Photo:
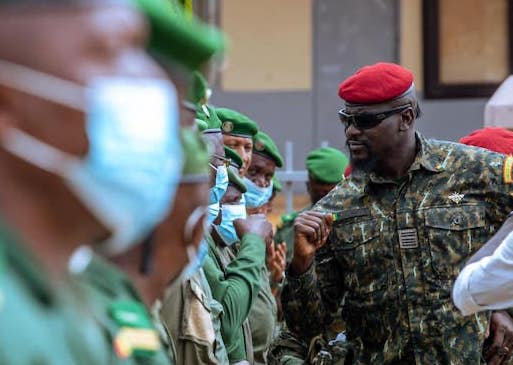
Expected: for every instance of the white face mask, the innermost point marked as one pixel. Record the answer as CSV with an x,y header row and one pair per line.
x,y
130,174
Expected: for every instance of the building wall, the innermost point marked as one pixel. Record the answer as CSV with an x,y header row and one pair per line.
x,y
346,35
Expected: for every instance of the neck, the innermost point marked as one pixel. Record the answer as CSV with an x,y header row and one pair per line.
x,y
46,216
398,162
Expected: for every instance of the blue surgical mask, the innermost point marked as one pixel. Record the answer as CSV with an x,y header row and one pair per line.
x,y
213,213
255,195
129,176
218,190
226,229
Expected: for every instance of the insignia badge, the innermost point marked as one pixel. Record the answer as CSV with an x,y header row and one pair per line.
x,y
508,170
135,341
227,127
408,238
456,198
205,110
259,146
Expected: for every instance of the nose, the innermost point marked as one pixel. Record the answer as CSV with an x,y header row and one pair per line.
x,y
352,131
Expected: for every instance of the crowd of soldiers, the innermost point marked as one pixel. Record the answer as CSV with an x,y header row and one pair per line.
x,y
135,213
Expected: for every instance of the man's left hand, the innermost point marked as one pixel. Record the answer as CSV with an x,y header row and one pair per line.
x,y
501,333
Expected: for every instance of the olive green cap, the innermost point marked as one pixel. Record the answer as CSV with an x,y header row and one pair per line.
x,y
277,184
235,180
199,89
235,159
265,146
326,165
177,38
208,114
236,124
196,157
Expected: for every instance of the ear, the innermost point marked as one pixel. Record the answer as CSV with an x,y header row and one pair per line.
x,y
407,119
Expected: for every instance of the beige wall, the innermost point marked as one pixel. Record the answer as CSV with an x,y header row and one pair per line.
x,y
270,45
410,50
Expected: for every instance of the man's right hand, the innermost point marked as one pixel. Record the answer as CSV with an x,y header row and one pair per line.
x,y
311,230
257,224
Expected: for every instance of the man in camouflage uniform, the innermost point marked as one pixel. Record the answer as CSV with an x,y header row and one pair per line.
x,y
387,243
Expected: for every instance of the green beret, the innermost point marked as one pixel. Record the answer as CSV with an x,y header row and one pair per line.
x,y
196,156
264,145
235,159
236,124
208,114
277,184
201,125
326,165
178,39
235,180
199,89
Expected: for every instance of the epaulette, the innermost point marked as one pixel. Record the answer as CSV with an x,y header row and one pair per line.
x,y
136,335
288,218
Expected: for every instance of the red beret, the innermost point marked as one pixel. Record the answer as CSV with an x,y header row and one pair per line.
x,y
494,139
348,171
376,84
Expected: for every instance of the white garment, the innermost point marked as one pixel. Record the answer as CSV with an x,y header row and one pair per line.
x,y
487,283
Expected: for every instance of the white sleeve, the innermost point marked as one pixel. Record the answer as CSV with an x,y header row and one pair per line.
x,y
487,283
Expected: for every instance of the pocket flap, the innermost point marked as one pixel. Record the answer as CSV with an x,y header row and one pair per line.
x,y
458,218
349,236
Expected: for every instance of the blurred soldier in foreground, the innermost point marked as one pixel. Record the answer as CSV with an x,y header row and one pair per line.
x,y
90,154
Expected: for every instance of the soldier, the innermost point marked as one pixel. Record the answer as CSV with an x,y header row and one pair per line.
x,y
238,131
235,278
188,308
325,166
76,167
387,243
258,180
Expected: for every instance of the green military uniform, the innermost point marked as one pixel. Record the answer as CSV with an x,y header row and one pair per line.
x,y
193,317
126,324
263,314
393,254
235,282
39,324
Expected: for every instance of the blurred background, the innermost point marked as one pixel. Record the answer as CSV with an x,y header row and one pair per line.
x,y
286,59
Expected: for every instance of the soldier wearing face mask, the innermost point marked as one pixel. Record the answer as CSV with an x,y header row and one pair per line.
x,y
188,309
233,280
69,175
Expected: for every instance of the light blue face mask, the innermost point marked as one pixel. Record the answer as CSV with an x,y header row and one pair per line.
x,y
255,195
219,189
213,213
226,229
129,176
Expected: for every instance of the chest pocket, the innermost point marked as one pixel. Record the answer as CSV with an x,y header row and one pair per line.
x,y
453,233
362,255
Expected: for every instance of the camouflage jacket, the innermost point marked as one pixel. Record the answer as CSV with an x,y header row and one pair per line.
x,y
394,251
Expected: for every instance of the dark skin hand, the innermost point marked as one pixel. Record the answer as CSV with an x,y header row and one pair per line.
x,y
311,231
256,224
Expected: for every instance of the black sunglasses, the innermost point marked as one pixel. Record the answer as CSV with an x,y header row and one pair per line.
x,y
368,120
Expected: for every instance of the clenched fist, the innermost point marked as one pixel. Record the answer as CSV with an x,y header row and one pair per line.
x,y
311,230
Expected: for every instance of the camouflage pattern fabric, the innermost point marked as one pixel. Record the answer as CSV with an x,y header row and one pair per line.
x,y
394,251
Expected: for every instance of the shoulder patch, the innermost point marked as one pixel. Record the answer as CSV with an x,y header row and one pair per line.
x,y
508,170
136,342
136,335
